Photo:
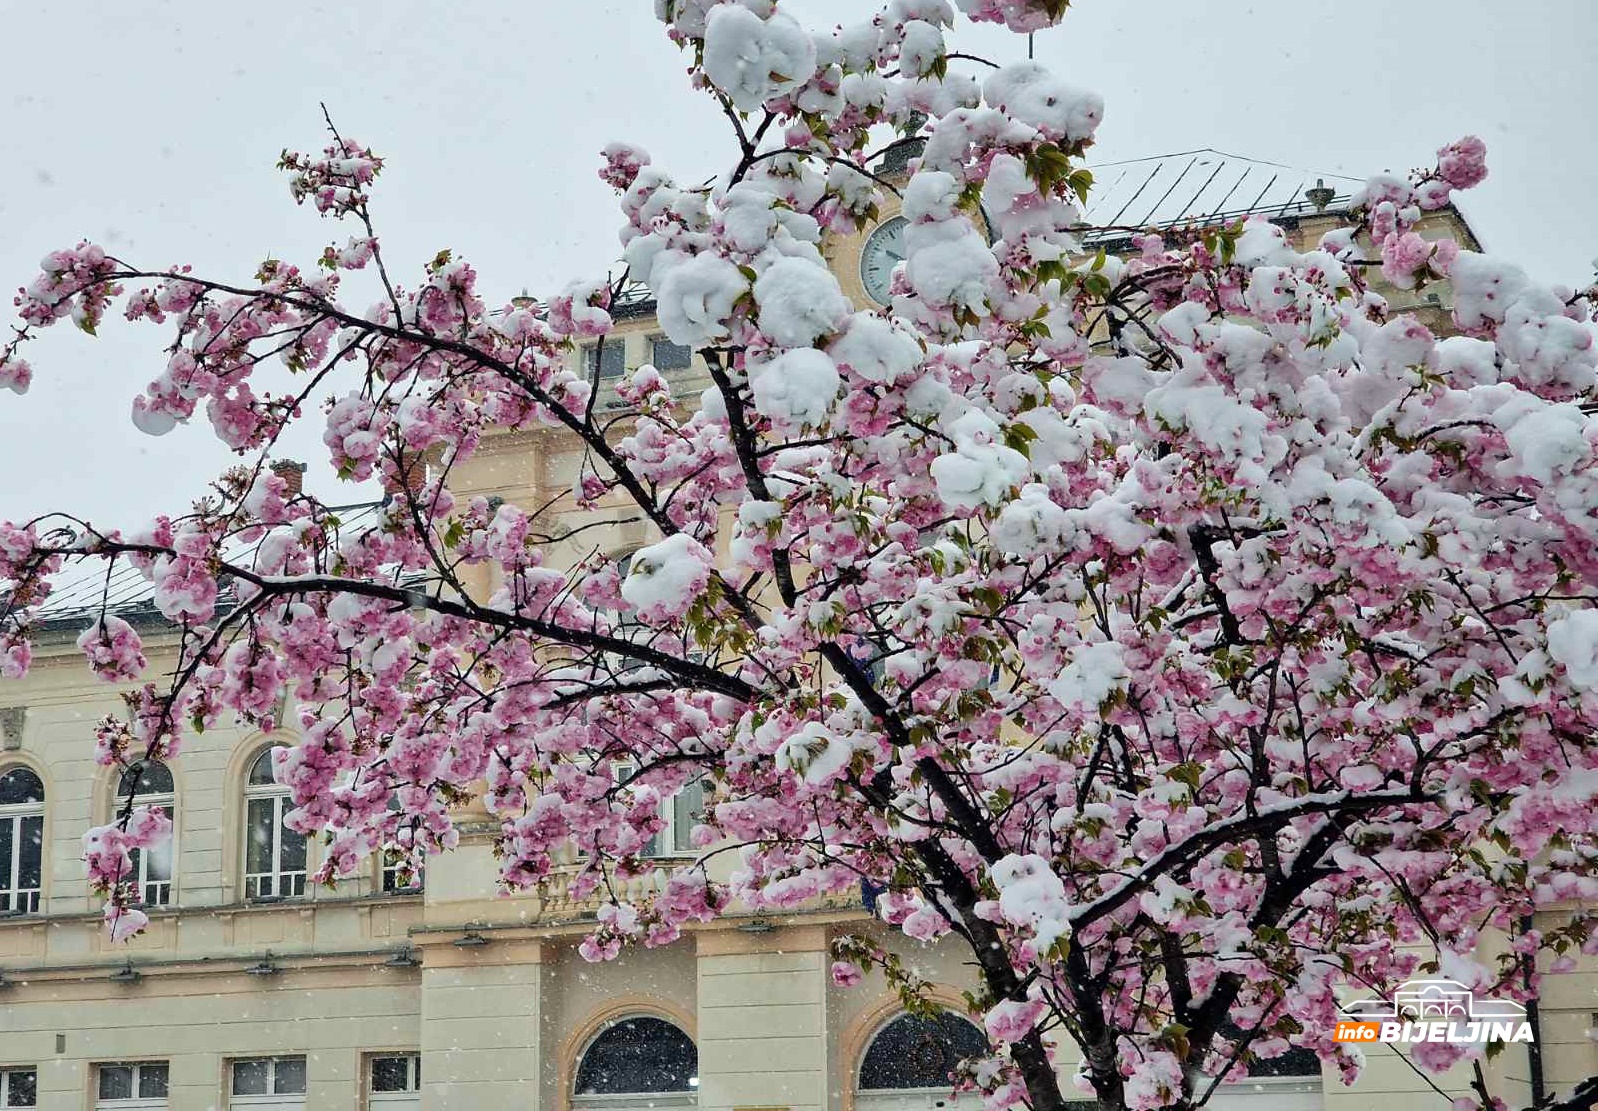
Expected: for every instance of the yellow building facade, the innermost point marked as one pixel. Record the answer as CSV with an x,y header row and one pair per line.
x,y
254,989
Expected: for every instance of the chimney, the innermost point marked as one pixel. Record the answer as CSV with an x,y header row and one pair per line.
x,y
292,474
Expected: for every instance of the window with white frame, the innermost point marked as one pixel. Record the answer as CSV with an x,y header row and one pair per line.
x,y
136,1085
21,843
666,356
150,784
394,1081
399,876
19,1087
274,855
681,812
267,1082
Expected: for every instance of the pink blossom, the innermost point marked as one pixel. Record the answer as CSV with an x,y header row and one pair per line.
x,y
1011,1020
1463,163
124,922
114,650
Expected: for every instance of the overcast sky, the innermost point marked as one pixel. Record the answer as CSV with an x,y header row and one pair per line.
x,y
153,128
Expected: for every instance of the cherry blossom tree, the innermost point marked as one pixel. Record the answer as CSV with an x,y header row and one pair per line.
x,y
1188,634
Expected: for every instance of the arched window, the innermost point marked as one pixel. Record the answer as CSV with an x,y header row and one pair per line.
x,y
911,1061
642,1056
274,855
21,840
151,785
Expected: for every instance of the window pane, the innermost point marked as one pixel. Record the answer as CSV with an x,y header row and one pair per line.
x,y
391,1074
158,863
149,779
250,1077
685,811
32,853
23,1090
913,1052
638,1055
292,846
261,770
258,832
290,1076
401,877
7,846
612,358
116,1081
152,1081
671,356
20,785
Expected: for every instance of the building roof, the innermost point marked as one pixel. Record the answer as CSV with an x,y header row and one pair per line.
x,y
1202,187
83,586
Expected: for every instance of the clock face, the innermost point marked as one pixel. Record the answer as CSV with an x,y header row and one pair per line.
x,y
883,251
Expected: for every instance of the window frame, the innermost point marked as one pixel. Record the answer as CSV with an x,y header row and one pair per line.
x,y
272,1098
578,1101
7,1073
669,833
168,801
388,872
134,1102
601,351
411,1095
893,1019
656,339
19,900
281,803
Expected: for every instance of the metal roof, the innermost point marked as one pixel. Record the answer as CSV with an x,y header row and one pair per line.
x,y
83,586
1202,187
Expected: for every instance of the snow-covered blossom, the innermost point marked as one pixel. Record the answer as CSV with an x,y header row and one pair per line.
x,y
799,302
1033,896
797,388
666,578
752,59
1028,92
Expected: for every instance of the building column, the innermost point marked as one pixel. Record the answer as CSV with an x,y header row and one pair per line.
x,y
332,1080
62,1082
763,1019
480,1018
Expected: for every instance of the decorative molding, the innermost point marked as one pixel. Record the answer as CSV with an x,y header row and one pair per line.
x,y
12,719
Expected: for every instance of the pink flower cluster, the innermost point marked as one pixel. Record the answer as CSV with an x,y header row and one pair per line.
x,y
114,650
337,182
622,165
